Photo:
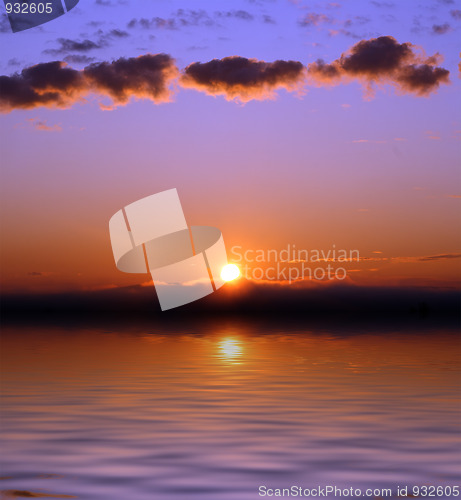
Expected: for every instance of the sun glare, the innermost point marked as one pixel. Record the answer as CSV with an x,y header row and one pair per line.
x,y
230,272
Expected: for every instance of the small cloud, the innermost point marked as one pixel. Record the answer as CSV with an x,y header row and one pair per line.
x,y
434,136
268,19
377,251
114,33
78,59
363,210
342,31
237,14
385,5
400,139
455,14
109,3
359,141
68,45
40,125
345,106
35,273
43,126
313,19
457,196
441,29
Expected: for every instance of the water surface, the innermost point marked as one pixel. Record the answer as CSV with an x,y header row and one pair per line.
x,y
188,414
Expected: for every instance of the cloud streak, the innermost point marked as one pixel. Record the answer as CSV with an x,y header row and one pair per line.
x,y
383,61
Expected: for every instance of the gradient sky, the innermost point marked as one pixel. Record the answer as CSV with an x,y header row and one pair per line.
x,y
328,165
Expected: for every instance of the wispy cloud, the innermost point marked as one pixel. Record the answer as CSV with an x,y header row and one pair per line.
x,y
67,45
183,18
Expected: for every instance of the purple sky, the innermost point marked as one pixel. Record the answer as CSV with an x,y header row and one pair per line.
x,y
328,166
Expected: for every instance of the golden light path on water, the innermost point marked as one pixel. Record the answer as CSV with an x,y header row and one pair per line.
x,y
230,349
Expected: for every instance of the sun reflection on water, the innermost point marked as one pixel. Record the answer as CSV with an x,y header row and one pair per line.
x,y
230,350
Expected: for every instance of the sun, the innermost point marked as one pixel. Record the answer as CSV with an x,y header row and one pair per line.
x,y
230,272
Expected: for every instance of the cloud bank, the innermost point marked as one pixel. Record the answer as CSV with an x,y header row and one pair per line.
x,y
377,61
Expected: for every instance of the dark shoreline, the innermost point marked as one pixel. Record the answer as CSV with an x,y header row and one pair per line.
x,y
274,307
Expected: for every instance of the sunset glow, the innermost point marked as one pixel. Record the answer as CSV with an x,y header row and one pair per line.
x,y
230,272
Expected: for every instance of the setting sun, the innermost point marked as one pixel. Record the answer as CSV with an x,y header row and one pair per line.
x,y
230,272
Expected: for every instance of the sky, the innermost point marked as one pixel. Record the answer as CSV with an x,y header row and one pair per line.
x,y
280,122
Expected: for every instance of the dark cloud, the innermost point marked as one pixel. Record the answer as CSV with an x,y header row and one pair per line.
x,y
383,60
242,79
56,85
313,19
48,84
456,13
441,29
143,77
35,273
67,45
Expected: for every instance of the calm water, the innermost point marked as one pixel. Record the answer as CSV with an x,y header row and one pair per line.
x,y
214,414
